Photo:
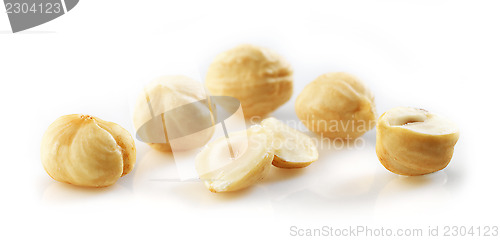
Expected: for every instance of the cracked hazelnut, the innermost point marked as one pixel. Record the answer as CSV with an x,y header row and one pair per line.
x,y
87,151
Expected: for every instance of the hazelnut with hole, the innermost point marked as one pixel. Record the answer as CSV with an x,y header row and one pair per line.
x,y
87,151
258,77
336,105
413,141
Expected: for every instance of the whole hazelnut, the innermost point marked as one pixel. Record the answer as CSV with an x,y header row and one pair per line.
x,y
336,105
173,110
257,76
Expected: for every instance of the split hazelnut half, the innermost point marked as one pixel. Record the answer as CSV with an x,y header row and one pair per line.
x,y
413,141
292,148
237,162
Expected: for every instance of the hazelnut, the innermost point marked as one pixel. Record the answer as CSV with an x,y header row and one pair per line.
x,y
237,162
336,105
412,141
173,108
292,149
258,77
87,151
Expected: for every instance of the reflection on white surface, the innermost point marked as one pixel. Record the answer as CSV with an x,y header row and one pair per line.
x,y
351,183
62,193
156,180
281,183
347,177
418,195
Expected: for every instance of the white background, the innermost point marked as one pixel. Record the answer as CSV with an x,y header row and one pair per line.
x,y
440,55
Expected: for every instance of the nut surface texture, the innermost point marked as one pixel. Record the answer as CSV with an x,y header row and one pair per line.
x,y
258,77
336,105
173,107
292,149
87,151
250,161
413,141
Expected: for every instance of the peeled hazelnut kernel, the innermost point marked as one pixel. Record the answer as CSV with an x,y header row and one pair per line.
x,y
336,105
248,160
258,77
179,107
292,149
87,151
412,141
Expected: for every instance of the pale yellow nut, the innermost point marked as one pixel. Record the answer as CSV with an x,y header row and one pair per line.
x,y
165,99
292,149
258,77
336,105
87,151
412,141
246,161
